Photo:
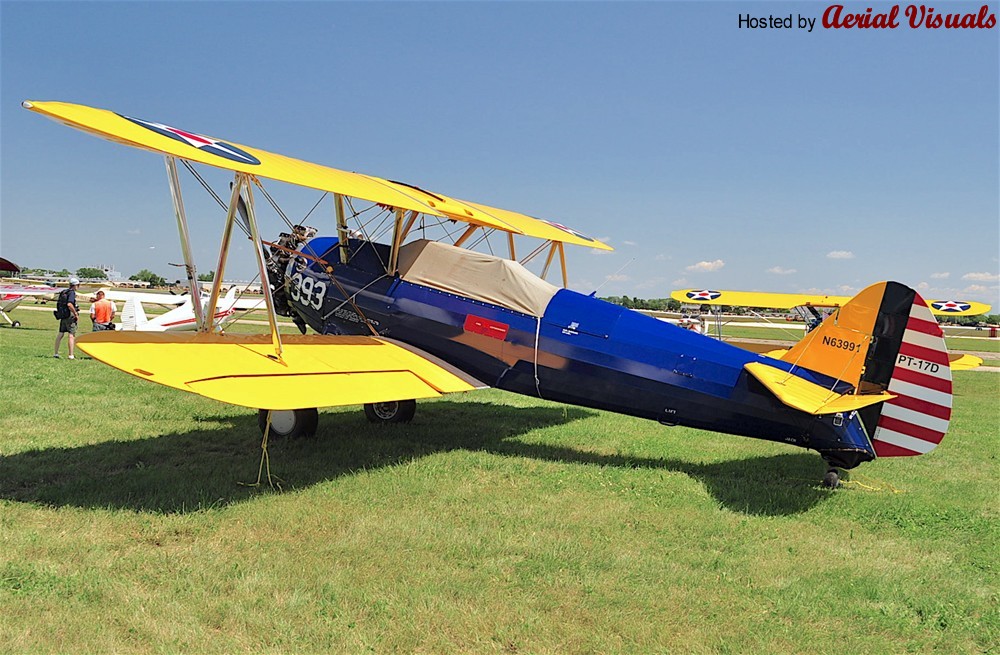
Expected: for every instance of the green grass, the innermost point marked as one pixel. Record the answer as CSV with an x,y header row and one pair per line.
x,y
493,524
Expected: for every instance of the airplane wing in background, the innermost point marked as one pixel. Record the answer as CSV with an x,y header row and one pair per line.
x,y
766,300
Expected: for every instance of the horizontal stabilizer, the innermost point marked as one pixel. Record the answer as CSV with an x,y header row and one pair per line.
x,y
313,370
809,397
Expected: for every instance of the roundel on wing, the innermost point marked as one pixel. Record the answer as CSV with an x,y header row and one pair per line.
x,y
203,143
703,295
951,306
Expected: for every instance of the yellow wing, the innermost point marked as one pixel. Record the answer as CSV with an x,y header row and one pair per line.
x,y
757,299
767,300
164,139
314,370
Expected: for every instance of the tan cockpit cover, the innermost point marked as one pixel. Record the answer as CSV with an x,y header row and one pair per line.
x,y
475,275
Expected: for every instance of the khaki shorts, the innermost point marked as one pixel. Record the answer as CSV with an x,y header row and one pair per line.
x,y
68,325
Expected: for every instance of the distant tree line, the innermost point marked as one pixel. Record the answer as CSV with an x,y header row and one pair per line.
x,y
152,278
654,304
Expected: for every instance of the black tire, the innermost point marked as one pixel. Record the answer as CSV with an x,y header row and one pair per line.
x,y
16,324
395,411
832,479
293,423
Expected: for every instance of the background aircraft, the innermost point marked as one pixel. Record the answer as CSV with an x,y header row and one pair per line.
x,y
399,320
181,316
767,300
11,295
813,309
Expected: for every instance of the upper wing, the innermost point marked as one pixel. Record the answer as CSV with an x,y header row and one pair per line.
x,y
766,300
161,138
314,370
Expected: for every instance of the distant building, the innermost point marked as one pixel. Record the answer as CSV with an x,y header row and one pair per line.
x,y
110,273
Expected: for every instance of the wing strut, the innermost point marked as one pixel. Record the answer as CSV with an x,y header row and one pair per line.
x,y
227,235
182,229
258,246
342,233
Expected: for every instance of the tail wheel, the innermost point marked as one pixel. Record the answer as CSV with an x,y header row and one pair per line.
x,y
832,479
395,411
289,422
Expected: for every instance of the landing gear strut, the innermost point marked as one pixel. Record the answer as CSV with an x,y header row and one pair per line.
x,y
289,422
396,411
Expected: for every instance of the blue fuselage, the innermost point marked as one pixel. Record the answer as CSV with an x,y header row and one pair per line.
x,y
582,351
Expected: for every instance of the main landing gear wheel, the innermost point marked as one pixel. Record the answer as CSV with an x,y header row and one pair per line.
x,y
832,479
289,422
395,411
16,324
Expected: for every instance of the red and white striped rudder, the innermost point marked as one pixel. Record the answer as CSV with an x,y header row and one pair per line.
x,y
916,420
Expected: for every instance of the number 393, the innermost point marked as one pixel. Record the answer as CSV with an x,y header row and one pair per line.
x,y
307,291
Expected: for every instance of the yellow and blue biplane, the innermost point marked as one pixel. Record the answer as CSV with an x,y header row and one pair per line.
x,y
397,316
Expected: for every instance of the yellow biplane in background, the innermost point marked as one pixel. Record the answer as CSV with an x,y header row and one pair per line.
x,y
812,309
404,307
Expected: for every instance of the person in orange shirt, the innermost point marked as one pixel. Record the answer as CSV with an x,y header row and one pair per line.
x,y
102,313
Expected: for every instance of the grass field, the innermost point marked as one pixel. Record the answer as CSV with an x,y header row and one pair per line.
x,y
493,523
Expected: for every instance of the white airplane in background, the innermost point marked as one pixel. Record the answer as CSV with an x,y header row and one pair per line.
x,y
181,317
11,295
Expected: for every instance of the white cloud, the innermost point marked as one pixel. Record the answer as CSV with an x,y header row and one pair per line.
x,y
840,254
679,282
981,277
662,257
778,270
975,288
846,288
134,231
706,267
630,243
940,276
618,277
598,251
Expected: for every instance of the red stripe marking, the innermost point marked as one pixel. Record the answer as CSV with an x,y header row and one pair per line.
x,y
886,449
926,327
909,429
921,379
218,315
926,354
922,406
190,135
486,327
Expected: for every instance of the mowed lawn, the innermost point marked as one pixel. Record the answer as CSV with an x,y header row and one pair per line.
x,y
493,523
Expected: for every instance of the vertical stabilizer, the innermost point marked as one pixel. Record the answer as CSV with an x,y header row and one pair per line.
x,y
133,316
887,340
916,420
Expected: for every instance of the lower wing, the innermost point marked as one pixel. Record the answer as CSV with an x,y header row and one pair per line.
x,y
312,371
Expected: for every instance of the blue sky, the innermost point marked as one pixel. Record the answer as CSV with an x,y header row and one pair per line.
x,y
708,155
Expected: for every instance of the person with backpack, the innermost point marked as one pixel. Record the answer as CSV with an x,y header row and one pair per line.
x,y
68,315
